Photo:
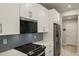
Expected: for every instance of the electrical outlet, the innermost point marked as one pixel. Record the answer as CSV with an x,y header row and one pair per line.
x,y
35,36
4,41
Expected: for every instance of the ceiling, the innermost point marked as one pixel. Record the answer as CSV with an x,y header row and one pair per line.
x,y
61,7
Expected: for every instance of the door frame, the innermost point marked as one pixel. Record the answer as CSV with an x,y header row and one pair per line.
x,y
77,33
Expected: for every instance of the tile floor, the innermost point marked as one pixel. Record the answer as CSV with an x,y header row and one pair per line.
x,y
68,50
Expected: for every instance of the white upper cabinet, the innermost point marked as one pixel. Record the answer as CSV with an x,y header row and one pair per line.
x,y
43,19
9,18
36,12
28,10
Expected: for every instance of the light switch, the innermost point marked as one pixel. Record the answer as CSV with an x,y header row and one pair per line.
x,y
4,41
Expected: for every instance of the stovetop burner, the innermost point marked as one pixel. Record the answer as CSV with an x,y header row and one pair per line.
x,y
30,48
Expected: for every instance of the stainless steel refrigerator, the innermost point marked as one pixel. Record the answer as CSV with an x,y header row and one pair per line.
x,y
57,37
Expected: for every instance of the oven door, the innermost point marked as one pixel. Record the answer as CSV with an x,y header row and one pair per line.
x,y
42,53
38,52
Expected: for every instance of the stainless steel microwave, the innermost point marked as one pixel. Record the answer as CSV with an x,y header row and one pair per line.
x,y
27,25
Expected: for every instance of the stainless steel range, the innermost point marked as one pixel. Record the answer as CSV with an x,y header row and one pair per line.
x,y
32,49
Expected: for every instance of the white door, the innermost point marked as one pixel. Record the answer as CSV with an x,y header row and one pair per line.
x,y
70,33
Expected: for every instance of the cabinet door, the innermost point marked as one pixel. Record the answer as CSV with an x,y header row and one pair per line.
x,y
9,18
34,11
28,10
24,10
43,19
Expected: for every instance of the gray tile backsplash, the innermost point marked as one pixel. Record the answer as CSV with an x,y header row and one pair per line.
x,y
17,40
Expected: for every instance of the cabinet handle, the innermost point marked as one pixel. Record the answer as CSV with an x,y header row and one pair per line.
x,y
43,28
30,14
0,28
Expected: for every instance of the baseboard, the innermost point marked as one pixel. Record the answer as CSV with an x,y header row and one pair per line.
x,y
71,45
63,44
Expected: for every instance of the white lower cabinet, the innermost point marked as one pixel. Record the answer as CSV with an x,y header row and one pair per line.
x,y
9,18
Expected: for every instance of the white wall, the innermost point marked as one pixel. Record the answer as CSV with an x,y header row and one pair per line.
x,y
71,12
70,35
54,17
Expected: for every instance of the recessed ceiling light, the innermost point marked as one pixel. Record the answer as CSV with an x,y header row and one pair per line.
x,y
69,6
69,17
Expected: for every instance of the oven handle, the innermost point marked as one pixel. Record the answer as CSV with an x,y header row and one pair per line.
x,y
41,53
